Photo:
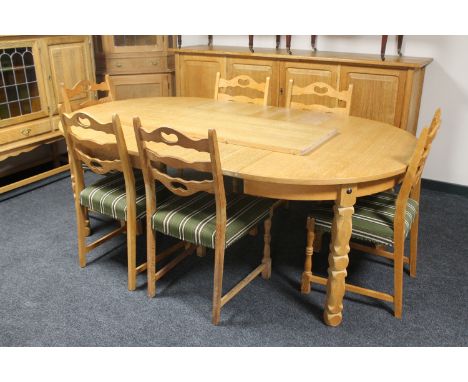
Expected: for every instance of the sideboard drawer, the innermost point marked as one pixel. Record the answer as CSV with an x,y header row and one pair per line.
x,y
136,65
24,130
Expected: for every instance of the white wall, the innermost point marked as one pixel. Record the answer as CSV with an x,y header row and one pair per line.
x,y
445,85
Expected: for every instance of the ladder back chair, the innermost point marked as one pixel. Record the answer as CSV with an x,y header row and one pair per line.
x,y
89,89
243,82
319,89
198,212
383,219
120,194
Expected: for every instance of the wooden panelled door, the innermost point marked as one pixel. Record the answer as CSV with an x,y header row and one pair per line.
x,y
304,74
258,70
378,94
69,64
197,75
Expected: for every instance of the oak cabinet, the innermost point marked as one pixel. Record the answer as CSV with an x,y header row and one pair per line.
x,y
197,75
138,66
31,71
258,70
387,91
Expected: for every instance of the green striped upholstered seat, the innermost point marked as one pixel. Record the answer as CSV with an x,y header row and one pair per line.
x,y
107,196
372,219
193,218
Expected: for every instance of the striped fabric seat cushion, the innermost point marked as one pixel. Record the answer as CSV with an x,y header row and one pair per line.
x,y
107,196
193,218
372,219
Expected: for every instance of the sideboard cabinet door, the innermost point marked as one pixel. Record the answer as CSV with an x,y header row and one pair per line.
x,y
258,70
69,63
378,94
304,74
197,75
143,85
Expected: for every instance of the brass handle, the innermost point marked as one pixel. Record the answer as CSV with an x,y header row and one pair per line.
x,y
25,132
154,62
119,65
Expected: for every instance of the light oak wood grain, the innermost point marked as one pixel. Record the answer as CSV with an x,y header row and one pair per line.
x,y
362,151
102,158
387,91
366,156
154,167
410,187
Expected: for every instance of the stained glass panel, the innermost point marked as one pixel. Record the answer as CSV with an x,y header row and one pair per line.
x,y
19,91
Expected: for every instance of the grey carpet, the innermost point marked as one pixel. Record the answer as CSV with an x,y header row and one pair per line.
x,y
47,300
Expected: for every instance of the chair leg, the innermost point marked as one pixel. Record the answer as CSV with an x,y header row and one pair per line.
x,y
151,259
81,229
235,186
414,246
318,239
87,229
218,282
201,251
131,254
398,280
305,284
266,273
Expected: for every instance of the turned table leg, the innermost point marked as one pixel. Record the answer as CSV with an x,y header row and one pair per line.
x,y
338,257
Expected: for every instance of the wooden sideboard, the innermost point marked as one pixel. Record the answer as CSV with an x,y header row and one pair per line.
x,y
387,91
139,66
31,71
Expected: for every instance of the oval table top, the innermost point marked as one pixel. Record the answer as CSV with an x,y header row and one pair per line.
x,y
361,151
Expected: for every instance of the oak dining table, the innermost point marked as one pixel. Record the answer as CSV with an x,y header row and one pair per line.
x,y
285,154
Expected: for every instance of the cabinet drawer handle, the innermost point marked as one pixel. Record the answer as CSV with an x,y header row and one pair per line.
x,y
155,62
25,132
119,65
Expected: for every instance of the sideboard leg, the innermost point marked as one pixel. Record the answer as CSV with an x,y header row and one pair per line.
x,y
338,257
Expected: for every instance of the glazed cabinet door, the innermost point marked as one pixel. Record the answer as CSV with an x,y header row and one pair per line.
x,y
304,74
132,44
196,76
138,86
378,94
70,62
23,95
259,70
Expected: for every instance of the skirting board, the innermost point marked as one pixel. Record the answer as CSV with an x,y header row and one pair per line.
x,y
450,188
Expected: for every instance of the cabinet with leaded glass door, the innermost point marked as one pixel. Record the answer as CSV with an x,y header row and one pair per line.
x,y
31,71
22,91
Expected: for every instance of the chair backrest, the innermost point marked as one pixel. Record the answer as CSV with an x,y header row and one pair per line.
x,y
154,166
102,147
243,82
412,179
87,88
320,89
